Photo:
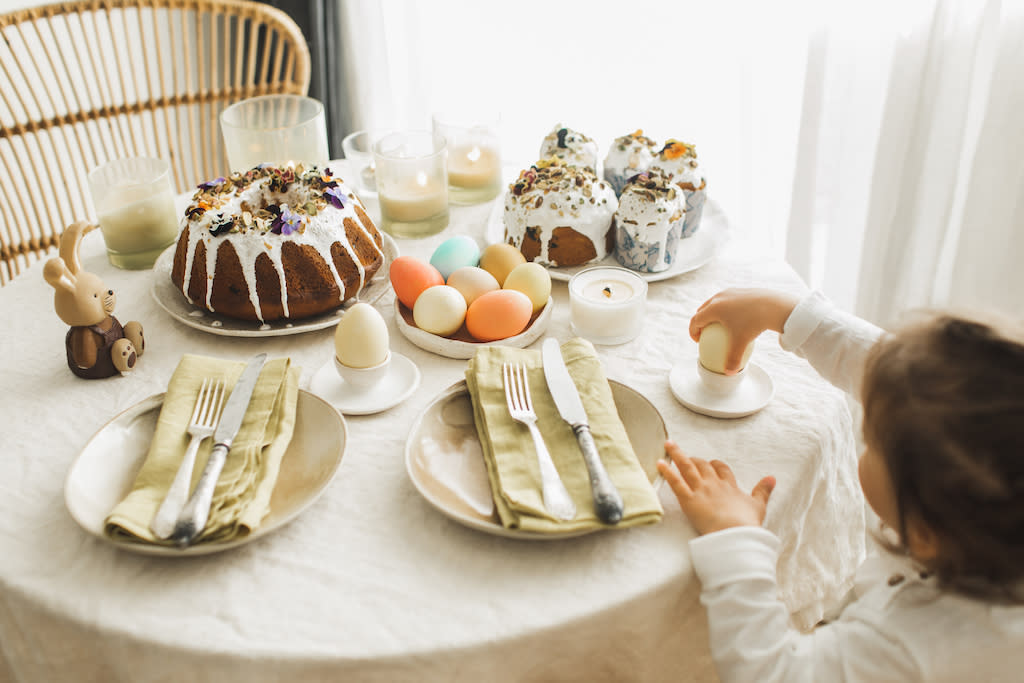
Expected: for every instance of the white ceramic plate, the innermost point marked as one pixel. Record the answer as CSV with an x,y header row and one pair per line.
x,y
402,378
693,253
751,394
461,345
444,460
174,302
103,473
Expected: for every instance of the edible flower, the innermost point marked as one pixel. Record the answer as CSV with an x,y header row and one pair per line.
x,y
675,149
335,196
210,184
286,222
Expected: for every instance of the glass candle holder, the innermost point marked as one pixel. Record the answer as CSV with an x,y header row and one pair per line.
x,y
275,129
607,304
412,183
474,157
358,150
134,201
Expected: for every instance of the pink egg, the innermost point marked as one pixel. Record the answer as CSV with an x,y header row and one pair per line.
x,y
410,276
498,315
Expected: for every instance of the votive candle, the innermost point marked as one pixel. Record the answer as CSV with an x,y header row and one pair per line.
x,y
607,304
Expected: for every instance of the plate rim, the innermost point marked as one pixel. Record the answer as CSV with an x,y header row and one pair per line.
x,y
392,402
492,527
706,234
155,401
173,303
680,368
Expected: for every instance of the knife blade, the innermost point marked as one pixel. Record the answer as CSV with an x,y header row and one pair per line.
x,y
607,501
196,512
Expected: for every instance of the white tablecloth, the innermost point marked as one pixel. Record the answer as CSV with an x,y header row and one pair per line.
x,y
371,583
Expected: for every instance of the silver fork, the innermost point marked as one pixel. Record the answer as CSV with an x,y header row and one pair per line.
x,y
204,420
520,407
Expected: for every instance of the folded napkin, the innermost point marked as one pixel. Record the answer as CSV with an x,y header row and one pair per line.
x,y
509,452
242,496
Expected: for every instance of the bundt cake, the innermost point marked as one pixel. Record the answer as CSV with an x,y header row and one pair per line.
x,y
559,215
275,243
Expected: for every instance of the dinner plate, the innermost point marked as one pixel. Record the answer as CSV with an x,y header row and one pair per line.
x,y
694,251
446,465
461,344
170,298
103,473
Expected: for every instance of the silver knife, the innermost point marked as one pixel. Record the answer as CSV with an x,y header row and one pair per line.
x,y
193,516
607,501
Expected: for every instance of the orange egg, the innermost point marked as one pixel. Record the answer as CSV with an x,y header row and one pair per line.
x,y
410,276
499,314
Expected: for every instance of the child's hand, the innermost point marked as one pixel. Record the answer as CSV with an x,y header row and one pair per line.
x,y
708,494
746,313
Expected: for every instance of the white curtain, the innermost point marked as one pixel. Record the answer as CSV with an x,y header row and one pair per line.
x,y
874,144
909,188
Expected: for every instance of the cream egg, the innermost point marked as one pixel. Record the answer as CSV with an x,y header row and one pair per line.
x,y
714,348
533,280
361,337
440,310
471,282
499,260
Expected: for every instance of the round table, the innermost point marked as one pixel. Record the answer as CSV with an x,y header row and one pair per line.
x,y
371,583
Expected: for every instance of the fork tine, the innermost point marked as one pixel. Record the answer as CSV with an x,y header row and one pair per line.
x,y
527,403
216,403
197,411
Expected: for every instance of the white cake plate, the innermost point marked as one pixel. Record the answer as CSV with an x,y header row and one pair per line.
x,y
402,378
752,393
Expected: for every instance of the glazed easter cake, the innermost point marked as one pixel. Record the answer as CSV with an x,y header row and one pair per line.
x,y
678,161
649,223
571,147
560,215
628,155
275,243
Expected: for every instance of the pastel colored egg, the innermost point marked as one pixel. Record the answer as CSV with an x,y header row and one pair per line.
x,y
440,310
472,281
713,349
498,315
499,260
361,337
533,280
410,277
454,253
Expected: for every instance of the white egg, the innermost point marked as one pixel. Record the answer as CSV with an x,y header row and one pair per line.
x,y
471,282
361,337
440,310
714,347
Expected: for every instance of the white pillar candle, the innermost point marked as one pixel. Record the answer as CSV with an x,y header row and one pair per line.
x,y
473,166
606,304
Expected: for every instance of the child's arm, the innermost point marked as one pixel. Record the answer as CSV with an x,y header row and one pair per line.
x,y
836,343
750,635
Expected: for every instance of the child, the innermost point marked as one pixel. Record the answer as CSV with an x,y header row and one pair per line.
x,y
943,467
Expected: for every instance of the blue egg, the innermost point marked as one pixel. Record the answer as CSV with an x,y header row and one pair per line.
x,y
454,253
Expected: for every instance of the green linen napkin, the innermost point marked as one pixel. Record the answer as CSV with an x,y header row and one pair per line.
x,y
509,452
242,496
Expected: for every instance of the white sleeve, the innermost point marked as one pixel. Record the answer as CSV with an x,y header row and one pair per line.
x,y
835,343
751,637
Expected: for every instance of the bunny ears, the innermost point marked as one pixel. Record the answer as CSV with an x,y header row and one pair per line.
x,y
62,271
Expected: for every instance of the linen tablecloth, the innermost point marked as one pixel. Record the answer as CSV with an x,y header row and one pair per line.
x,y
371,583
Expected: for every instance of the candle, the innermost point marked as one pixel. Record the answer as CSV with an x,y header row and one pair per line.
x,y
275,129
473,166
419,200
606,304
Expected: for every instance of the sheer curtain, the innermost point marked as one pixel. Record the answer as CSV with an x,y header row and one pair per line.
x,y
872,144
909,189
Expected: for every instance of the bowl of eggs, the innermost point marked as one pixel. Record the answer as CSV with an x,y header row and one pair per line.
x,y
464,298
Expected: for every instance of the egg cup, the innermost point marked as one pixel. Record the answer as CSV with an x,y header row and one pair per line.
x,y
718,383
363,377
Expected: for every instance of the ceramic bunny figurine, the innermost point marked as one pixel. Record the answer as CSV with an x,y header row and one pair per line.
x,y
97,345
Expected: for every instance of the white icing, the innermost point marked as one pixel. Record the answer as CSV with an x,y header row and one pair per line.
x,y
568,205
321,232
579,150
628,152
646,220
684,169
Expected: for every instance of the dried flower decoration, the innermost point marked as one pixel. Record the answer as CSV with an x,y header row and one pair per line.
x,y
287,222
335,196
674,149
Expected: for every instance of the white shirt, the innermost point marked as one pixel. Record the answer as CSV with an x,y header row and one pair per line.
x,y
899,626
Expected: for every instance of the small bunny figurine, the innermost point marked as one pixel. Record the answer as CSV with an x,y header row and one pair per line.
x,y
97,345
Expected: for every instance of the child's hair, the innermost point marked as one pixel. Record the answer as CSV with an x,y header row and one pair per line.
x,y
944,407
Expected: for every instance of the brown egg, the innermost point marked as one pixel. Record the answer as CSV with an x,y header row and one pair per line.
x,y
500,259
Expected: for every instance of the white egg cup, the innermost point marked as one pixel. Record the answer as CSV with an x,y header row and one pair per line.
x,y
363,377
718,383
717,395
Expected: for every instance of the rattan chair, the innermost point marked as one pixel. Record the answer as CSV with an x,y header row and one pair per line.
x,y
85,82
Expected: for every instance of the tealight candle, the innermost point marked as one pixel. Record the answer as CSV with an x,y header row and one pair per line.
x,y
474,159
412,183
473,166
606,304
275,129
